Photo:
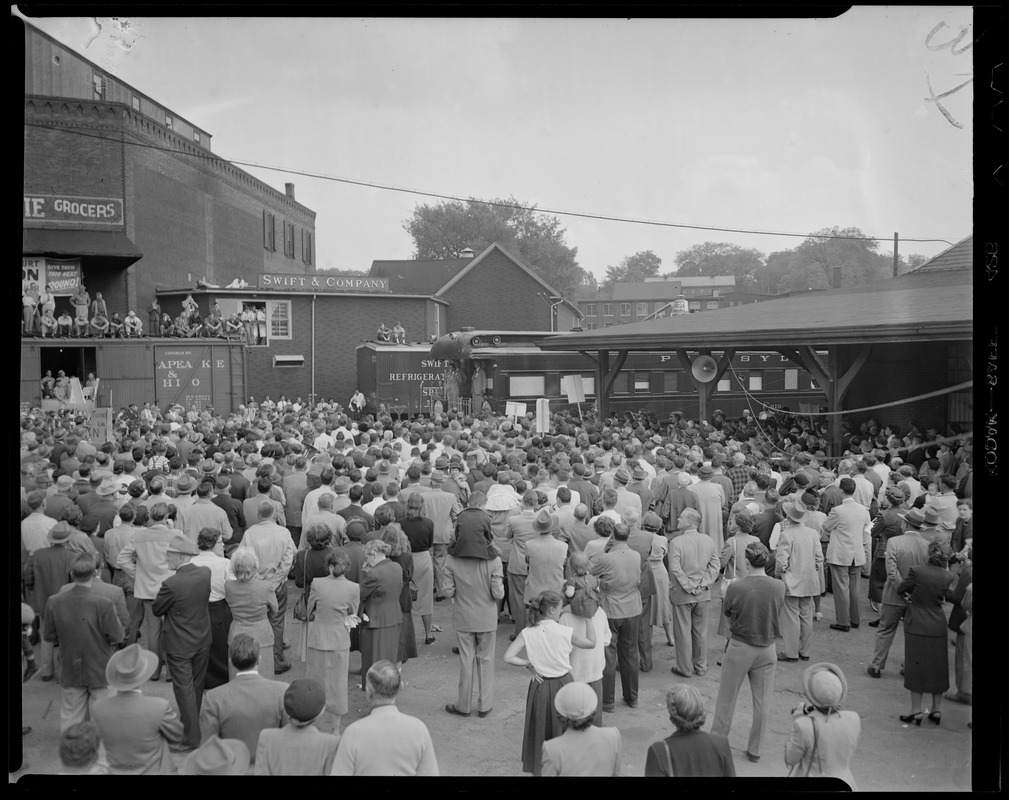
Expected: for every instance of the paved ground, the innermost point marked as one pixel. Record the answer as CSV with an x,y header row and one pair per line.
x,y
891,755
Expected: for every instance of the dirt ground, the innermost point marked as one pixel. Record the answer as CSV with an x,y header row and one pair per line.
x,y
891,755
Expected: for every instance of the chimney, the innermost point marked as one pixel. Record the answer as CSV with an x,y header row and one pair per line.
x,y
467,253
289,190
837,277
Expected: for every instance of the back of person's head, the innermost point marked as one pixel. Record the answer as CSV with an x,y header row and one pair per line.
x,y
847,486
686,707
266,510
539,608
610,498
243,652
530,499
621,532
476,500
356,529
579,563
564,495
604,526
244,563
689,519
383,680
326,501
581,512
83,568
338,562
79,745
207,538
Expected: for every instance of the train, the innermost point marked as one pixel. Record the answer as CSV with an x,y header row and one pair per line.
x,y
474,369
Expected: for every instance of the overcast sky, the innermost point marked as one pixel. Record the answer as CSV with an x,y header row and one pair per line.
x,y
781,125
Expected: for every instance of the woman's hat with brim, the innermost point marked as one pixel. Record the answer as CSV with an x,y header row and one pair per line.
x,y
824,685
218,757
130,667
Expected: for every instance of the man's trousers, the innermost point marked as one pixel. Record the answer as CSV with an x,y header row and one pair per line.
x,y
622,652
78,703
889,619
690,633
517,599
476,656
846,582
277,623
439,559
645,634
796,622
151,628
745,661
189,674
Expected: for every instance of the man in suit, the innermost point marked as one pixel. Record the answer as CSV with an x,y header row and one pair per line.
x,y
113,593
849,526
295,486
474,577
441,508
586,491
641,543
619,572
579,533
84,625
275,549
47,570
672,502
693,567
247,704
233,508
136,731
798,560
387,742
545,557
145,560
520,529
184,601
902,552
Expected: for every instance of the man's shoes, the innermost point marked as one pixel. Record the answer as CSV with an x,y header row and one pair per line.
x,y
836,627
644,669
455,650
438,599
30,669
631,703
700,671
429,640
782,657
607,709
680,672
483,714
874,623
181,747
959,697
280,669
874,672
803,658
451,709
854,624
752,758
47,678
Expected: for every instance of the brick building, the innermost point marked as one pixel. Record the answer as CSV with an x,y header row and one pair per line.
x,y
123,194
633,301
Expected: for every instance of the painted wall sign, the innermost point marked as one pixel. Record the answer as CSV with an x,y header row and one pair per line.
x,y
186,375
57,209
323,283
63,275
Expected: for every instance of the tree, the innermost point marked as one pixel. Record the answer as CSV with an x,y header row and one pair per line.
x,y
444,230
343,272
632,269
826,249
719,258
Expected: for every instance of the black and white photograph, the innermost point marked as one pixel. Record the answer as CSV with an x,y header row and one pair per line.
x,y
493,397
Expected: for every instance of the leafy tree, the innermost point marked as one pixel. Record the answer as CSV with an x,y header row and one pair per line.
x,y
344,273
632,269
719,258
826,249
445,229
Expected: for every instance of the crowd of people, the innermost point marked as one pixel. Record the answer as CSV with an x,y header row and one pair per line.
x,y
183,542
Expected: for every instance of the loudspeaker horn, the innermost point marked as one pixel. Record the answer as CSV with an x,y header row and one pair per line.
x,y
704,368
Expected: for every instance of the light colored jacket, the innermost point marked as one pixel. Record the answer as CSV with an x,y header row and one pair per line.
x,y
334,599
849,526
836,740
798,560
694,563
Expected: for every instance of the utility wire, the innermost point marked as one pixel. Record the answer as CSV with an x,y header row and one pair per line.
x,y
495,203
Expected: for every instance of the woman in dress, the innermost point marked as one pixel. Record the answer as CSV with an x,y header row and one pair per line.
x,y
733,558
381,585
689,752
334,600
249,599
548,646
823,738
662,609
420,531
399,552
926,651
310,564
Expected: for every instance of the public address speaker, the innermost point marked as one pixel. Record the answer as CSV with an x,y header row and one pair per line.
x,y
703,369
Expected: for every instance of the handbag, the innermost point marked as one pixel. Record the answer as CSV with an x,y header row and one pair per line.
x,y
414,591
301,604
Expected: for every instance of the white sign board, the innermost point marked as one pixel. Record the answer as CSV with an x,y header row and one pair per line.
x,y
513,409
573,387
542,415
100,425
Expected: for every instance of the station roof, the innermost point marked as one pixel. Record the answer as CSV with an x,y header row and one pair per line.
x,y
917,306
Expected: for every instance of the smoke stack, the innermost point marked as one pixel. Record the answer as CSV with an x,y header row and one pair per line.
x,y
837,277
289,190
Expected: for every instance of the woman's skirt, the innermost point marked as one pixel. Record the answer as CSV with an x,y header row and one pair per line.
x,y
423,576
262,633
662,609
877,578
407,639
378,644
329,667
542,721
926,663
218,662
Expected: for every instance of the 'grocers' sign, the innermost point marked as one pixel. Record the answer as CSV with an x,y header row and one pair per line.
x,y
45,209
323,283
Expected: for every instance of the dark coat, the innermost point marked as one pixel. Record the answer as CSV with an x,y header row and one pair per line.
x,y
355,552
955,595
84,626
927,587
380,590
47,571
183,601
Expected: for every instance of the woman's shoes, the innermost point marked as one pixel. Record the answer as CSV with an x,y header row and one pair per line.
x,y
935,716
429,640
915,718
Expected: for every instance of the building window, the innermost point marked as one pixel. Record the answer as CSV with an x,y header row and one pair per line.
x,y
695,305
756,383
269,231
724,385
136,103
168,122
590,326
607,309
288,239
99,85
670,381
196,136
254,325
589,384
791,379
306,246
641,383
279,318
625,309
642,309
527,385
590,309
712,305
622,383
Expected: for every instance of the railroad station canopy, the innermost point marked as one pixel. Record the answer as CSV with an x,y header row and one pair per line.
x,y
915,307
115,247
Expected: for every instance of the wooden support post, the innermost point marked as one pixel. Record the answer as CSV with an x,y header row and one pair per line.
x,y
602,400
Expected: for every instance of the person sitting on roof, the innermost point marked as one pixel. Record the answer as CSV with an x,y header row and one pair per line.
x,y
384,334
133,324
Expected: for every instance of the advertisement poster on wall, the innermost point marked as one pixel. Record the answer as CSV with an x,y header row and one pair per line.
x,y
185,375
62,275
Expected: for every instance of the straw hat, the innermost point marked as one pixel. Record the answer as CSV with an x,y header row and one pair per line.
x,y
824,685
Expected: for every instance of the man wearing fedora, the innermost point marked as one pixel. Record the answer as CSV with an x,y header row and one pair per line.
x,y
694,566
84,625
299,748
902,553
545,556
59,504
520,528
184,489
136,731
184,602
441,508
625,497
248,704
849,526
798,561
218,757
